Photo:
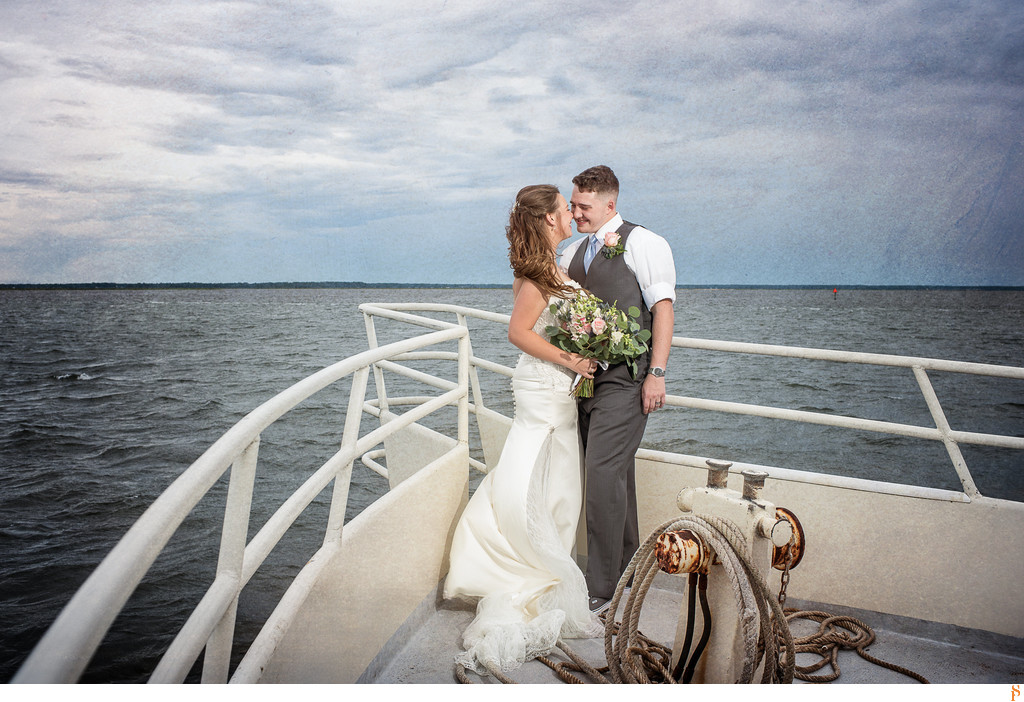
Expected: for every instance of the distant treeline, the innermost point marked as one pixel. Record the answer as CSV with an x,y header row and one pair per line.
x,y
205,286
477,286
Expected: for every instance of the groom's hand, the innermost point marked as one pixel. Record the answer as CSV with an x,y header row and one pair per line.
x,y
653,393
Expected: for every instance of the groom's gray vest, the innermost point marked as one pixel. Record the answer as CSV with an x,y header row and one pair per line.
x,y
612,281
611,426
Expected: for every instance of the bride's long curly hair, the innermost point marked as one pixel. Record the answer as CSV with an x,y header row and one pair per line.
x,y
530,254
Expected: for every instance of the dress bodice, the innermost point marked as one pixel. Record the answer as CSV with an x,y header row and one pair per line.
x,y
559,376
546,318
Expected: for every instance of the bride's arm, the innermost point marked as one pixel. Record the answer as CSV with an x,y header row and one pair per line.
x,y
526,310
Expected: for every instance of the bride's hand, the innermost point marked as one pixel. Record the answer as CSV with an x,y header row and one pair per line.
x,y
584,366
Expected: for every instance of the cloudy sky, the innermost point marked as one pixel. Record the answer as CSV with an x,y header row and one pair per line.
x,y
831,142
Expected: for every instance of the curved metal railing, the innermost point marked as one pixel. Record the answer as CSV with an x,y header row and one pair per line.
x,y
65,650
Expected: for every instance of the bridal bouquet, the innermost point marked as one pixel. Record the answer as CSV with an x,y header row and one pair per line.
x,y
587,325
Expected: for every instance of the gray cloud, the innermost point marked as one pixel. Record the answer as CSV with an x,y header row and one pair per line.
x,y
772,143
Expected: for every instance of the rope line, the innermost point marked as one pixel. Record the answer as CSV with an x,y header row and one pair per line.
x,y
835,633
764,626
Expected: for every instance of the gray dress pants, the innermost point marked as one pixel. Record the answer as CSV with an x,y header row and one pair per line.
x,y
612,426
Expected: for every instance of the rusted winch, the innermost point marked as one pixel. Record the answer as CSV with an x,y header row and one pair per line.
x,y
683,552
756,535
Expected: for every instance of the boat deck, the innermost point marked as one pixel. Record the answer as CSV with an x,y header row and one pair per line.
x,y
424,653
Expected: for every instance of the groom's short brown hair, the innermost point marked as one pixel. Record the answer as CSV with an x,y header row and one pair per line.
x,y
597,179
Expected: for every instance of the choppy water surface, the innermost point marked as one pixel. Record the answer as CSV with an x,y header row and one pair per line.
x,y
107,396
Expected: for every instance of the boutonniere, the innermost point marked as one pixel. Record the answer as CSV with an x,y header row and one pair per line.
x,y
612,245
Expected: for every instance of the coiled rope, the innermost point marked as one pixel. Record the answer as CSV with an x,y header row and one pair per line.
x,y
634,658
763,625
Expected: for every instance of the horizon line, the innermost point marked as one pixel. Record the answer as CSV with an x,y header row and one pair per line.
x,y
361,285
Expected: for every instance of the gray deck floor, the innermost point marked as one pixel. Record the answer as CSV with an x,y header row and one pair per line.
x,y
941,654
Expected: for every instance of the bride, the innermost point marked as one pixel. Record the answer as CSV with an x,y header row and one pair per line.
x,y
512,547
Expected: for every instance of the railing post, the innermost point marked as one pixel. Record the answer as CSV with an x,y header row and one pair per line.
x,y
378,374
464,352
217,660
474,377
350,436
939,417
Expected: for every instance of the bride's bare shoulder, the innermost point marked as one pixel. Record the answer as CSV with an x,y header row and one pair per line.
x,y
519,284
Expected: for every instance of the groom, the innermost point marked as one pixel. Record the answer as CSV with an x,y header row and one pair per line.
x,y
612,422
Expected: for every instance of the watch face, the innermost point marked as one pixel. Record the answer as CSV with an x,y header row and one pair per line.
x,y
657,372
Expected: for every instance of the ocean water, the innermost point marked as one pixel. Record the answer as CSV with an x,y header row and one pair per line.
x,y
107,395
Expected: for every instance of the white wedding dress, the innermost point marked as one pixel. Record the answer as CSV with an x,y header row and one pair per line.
x,y
513,546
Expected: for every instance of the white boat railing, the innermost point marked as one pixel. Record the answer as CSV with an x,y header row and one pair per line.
x,y
941,431
64,652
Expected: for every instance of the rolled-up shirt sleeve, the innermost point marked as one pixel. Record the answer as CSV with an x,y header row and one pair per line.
x,y
652,263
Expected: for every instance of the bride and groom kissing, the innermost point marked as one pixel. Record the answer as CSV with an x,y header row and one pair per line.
x,y
512,551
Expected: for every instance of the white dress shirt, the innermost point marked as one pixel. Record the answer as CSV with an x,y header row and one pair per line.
x,y
648,256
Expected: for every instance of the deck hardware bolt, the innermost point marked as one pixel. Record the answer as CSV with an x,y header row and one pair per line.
x,y
753,483
779,531
684,500
718,473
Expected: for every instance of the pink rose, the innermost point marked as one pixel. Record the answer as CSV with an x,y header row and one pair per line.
x,y
586,328
611,239
599,325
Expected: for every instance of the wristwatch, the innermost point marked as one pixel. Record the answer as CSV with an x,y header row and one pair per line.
x,y
656,372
